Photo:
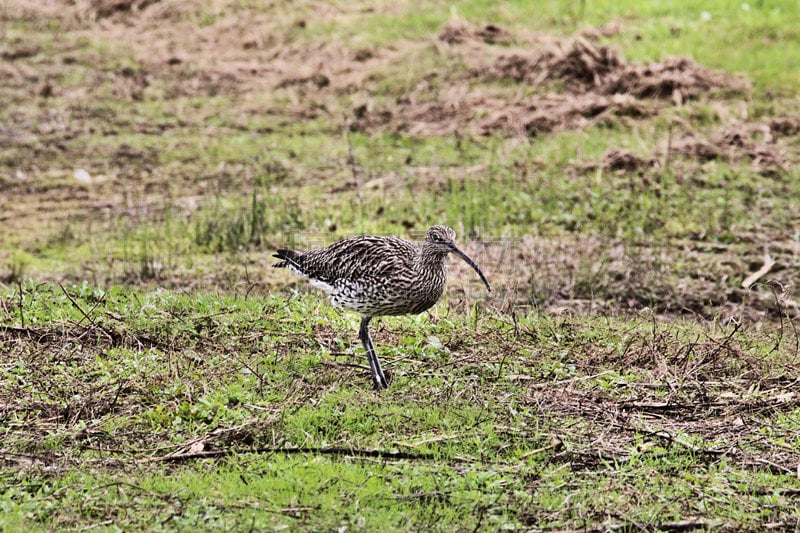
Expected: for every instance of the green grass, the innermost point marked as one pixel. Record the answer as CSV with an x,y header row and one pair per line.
x,y
238,373
256,492
295,438
157,373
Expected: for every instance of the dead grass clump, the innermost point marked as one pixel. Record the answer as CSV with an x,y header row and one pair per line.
x,y
61,398
480,112
622,160
458,31
107,8
785,125
664,354
586,63
12,53
582,66
710,419
695,148
609,29
735,143
578,111
587,66
677,78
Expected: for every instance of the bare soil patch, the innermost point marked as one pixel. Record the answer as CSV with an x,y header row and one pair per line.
x,y
201,48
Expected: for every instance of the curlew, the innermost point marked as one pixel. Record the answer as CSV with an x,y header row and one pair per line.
x,y
380,276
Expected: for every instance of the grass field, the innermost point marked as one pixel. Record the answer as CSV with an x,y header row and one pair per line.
x,y
634,368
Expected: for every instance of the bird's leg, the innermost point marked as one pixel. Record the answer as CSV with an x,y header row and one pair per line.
x,y
374,364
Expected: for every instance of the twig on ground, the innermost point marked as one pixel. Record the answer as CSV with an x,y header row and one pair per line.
x,y
769,262
351,452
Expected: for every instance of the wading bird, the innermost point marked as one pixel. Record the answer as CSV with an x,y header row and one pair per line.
x,y
380,276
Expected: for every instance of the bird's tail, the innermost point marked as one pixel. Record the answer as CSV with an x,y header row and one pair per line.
x,y
290,258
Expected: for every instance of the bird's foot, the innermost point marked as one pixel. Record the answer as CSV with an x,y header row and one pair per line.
x,y
382,381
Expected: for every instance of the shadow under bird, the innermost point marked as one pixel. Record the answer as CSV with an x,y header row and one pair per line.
x,y
380,276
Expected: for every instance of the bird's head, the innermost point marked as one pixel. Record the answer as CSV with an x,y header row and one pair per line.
x,y
441,240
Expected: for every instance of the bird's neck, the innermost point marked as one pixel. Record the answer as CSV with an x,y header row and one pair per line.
x,y
429,259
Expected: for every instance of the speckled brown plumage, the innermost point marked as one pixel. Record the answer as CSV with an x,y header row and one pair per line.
x,y
379,276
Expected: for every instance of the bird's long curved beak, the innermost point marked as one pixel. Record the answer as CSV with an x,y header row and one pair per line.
x,y
471,263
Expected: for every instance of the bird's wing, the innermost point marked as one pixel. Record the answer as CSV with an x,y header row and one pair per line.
x,y
357,258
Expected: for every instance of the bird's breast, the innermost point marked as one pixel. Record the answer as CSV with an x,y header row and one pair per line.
x,y
389,295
